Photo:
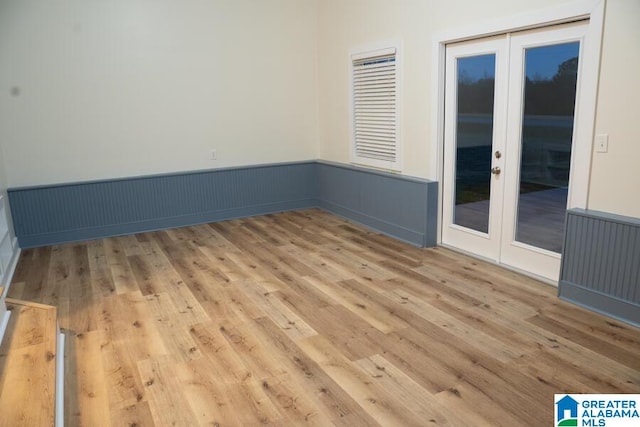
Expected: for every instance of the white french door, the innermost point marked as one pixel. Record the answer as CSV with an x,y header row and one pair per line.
x,y
509,145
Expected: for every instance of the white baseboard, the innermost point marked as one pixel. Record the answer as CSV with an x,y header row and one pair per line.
x,y
4,320
6,280
8,274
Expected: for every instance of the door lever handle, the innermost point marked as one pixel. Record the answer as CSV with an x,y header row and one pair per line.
x,y
496,170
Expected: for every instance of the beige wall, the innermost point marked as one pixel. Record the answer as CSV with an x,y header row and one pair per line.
x,y
615,177
345,25
8,249
131,87
3,193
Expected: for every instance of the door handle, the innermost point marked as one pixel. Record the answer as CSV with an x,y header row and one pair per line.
x,y
496,170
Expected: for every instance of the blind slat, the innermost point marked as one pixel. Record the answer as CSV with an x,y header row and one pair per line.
x,y
374,97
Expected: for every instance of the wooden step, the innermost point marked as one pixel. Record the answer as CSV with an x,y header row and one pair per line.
x,y
28,365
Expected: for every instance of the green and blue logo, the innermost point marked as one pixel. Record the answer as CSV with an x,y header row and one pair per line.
x,y
597,410
566,412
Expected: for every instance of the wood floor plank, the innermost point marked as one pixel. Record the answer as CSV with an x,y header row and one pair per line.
x,y
564,348
101,276
20,373
168,405
436,287
486,410
293,402
303,297
321,267
36,273
283,267
121,375
123,277
212,296
287,320
156,275
374,399
611,351
377,252
606,329
415,398
570,377
368,310
483,372
251,405
174,245
128,318
304,318
308,227
27,365
357,338
138,415
480,339
333,400
206,394
91,385
355,264
172,328
223,360
243,267
295,234
245,341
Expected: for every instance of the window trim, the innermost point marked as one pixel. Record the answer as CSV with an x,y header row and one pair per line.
x,y
372,51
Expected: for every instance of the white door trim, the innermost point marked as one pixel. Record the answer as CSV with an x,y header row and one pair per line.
x,y
582,9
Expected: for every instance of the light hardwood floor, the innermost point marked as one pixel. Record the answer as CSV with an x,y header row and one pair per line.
x,y
28,366
303,318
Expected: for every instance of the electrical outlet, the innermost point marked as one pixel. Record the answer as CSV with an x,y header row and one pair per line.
x,y
602,143
214,155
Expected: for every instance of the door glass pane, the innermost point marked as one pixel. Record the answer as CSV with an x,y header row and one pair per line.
x,y
547,131
474,136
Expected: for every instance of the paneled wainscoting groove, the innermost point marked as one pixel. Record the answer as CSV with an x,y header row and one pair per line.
x,y
397,205
303,318
601,263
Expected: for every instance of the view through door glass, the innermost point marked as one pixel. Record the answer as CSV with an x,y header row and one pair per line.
x,y
474,137
547,133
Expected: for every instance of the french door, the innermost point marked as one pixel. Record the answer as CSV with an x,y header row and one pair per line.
x,y
510,109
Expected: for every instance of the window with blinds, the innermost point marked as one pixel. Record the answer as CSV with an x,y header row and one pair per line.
x,y
375,113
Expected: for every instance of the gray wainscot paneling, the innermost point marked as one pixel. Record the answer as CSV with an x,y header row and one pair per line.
x,y
81,211
601,263
400,206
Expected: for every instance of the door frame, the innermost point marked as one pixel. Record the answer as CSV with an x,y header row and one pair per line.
x,y
584,126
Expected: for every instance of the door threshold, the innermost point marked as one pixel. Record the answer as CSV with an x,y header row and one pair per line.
x,y
544,280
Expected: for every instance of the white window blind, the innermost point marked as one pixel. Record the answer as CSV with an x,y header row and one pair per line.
x,y
375,93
